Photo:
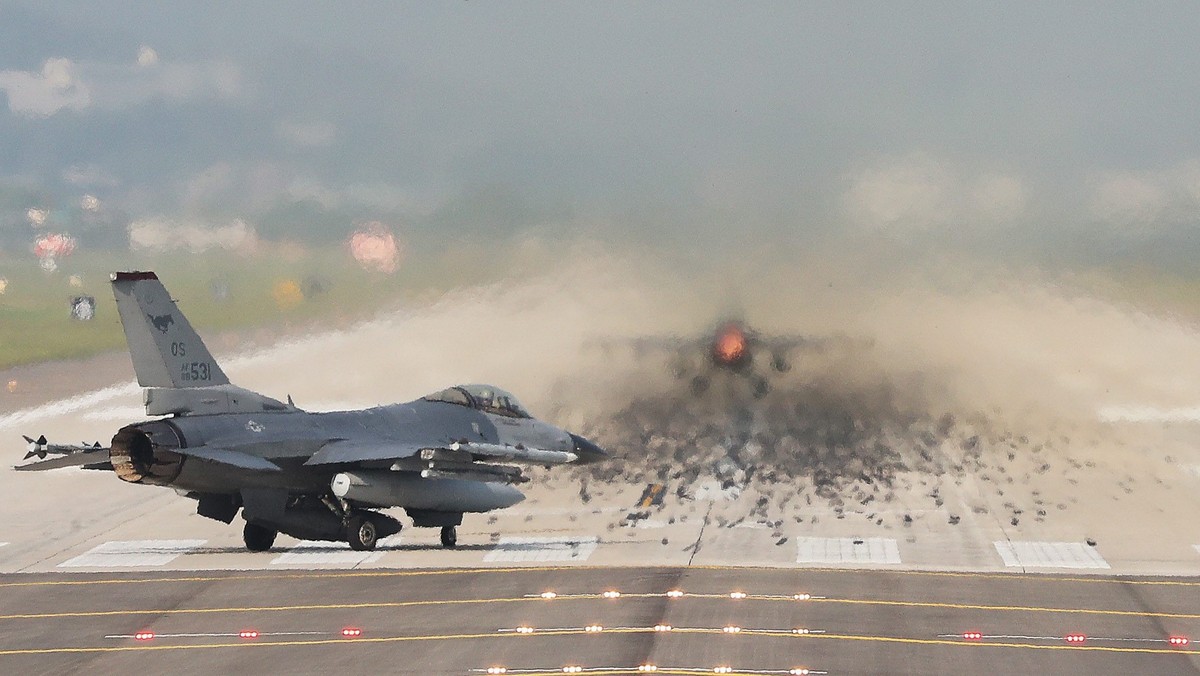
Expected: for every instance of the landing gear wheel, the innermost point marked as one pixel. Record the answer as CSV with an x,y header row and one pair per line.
x,y
361,534
449,537
761,387
258,538
699,385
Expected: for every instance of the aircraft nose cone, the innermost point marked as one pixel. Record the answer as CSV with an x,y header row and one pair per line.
x,y
587,451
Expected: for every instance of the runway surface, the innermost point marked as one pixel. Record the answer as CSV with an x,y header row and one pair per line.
x,y
1107,550
601,620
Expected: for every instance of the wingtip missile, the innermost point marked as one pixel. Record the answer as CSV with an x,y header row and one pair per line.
x,y
35,447
41,447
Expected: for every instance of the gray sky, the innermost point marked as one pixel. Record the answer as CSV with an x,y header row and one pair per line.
x,y
1071,125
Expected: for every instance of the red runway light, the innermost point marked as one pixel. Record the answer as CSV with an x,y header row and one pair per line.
x,y
1179,641
249,633
144,635
972,636
1075,638
351,632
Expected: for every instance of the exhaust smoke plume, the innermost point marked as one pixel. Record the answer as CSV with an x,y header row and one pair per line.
x,y
960,373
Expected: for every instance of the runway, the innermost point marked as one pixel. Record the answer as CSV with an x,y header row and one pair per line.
x,y
602,620
935,576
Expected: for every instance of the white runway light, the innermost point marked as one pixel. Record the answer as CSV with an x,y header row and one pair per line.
x,y
847,550
133,553
1049,555
560,548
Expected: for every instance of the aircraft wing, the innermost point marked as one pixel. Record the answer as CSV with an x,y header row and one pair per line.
x,y
813,343
345,451
644,345
349,452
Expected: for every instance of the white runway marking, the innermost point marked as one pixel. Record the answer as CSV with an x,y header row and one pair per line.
x,y
131,553
321,554
562,548
1049,555
3,544
847,550
1197,548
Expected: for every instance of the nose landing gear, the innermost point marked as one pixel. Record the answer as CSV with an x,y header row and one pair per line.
x,y
449,537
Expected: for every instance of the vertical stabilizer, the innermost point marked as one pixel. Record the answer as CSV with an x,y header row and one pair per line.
x,y
165,350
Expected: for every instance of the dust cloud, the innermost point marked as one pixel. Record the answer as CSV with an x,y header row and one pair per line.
x,y
955,372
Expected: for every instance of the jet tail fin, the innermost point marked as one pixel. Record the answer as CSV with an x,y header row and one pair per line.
x,y
166,351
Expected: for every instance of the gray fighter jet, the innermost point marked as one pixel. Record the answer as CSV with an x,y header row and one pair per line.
x,y
317,476
733,347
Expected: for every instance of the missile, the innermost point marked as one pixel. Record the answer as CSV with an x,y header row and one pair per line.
x,y
536,456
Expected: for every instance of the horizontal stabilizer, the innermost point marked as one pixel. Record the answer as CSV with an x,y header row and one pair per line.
x,y
228,457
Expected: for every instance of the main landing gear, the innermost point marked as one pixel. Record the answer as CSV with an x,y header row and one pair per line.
x,y
361,533
258,538
449,537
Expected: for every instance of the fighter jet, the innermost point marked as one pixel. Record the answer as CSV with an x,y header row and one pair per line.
x,y
315,476
733,347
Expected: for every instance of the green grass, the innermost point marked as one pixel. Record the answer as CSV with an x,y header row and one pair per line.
x,y
1148,290
36,326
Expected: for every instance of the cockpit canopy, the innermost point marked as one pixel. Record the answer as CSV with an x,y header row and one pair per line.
x,y
486,398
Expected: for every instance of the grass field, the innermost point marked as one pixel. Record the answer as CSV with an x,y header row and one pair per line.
x,y
272,290
275,289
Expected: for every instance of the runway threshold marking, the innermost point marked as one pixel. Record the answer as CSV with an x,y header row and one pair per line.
x,y
847,550
539,598
409,638
132,553
1031,554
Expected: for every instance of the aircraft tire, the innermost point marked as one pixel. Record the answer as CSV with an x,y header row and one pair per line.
x,y
361,534
258,538
449,537
699,385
